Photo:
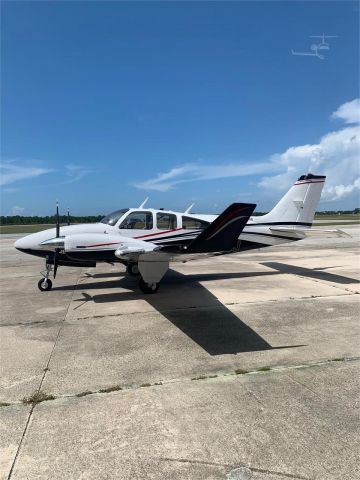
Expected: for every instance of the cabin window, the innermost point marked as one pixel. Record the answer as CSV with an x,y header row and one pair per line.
x,y
194,223
138,221
166,221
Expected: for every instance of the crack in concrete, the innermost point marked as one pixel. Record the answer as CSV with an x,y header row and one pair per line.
x,y
179,309
324,282
46,369
234,466
199,378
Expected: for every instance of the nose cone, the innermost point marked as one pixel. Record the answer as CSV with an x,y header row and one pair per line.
x,y
24,243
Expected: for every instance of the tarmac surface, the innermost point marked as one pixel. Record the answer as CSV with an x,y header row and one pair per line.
x,y
241,367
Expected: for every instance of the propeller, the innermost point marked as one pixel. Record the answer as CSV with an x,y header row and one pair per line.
x,y
55,262
68,217
57,220
57,236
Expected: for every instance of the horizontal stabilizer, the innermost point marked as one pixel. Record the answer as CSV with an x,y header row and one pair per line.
x,y
223,233
311,232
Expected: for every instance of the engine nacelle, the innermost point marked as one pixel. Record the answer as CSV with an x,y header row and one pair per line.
x,y
92,242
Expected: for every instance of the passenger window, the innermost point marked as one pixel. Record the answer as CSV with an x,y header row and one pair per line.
x,y
138,221
194,223
166,221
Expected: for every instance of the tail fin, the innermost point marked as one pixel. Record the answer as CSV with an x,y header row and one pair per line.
x,y
298,205
223,233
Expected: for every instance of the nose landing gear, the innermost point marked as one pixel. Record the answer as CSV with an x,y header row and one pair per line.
x,y
45,284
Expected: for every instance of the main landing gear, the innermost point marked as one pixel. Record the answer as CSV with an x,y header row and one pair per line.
x,y
132,269
148,287
45,284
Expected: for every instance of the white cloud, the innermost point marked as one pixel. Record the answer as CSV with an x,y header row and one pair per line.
x,y
11,172
190,172
17,210
349,112
336,155
76,172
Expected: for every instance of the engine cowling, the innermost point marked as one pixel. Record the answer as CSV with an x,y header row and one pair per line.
x,y
92,242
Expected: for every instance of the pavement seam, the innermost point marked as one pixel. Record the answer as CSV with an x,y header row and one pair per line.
x,y
234,466
203,377
324,282
179,309
62,322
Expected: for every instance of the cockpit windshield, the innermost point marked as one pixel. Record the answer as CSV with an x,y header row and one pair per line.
x,y
113,217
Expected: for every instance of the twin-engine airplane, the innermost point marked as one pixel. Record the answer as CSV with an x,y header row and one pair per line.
x,y
145,240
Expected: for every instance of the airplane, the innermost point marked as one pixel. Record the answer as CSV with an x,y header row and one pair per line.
x,y
145,240
323,45
314,48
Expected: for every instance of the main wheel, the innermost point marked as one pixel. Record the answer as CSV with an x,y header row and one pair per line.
x,y
148,287
45,285
133,269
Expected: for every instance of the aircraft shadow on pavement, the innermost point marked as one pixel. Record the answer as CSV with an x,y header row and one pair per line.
x,y
317,273
205,319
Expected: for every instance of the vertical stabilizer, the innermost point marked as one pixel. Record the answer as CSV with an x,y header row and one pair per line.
x,y
299,204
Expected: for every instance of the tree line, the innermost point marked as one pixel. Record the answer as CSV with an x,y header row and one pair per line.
x,y
24,220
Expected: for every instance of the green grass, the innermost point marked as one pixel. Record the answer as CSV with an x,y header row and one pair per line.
x,y
115,388
24,228
37,397
355,219
334,224
240,371
83,394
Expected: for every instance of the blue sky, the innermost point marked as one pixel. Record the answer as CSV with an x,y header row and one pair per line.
x,y
105,103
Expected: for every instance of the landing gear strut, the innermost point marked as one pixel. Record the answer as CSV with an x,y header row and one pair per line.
x,y
133,269
148,287
45,284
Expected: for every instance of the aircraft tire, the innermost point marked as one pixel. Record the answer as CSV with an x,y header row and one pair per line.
x,y
47,287
148,288
133,269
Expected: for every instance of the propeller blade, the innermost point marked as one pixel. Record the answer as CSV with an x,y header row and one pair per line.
x,y
55,263
68,217
57,221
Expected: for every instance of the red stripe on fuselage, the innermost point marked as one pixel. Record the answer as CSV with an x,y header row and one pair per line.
x,y
159,233
102,244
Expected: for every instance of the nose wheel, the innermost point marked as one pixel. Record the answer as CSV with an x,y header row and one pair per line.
x,y
45,284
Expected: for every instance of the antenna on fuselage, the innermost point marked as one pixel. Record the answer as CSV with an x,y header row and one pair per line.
x,y
57,224
143,203
188,210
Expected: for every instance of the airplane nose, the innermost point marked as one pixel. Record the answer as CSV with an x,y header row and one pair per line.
x,y
22,243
